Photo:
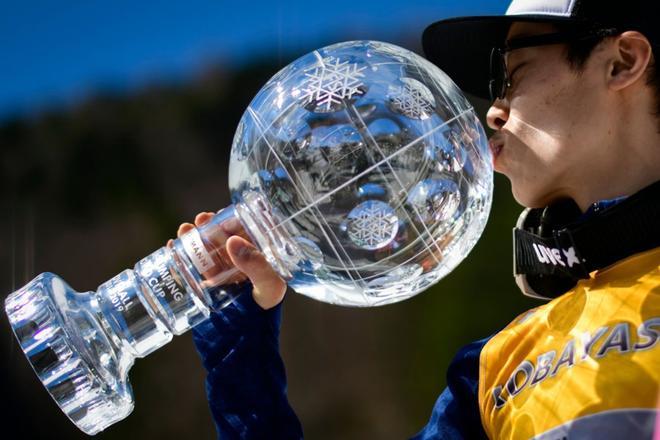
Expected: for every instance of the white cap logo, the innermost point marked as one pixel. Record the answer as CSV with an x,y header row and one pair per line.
x,y
559,8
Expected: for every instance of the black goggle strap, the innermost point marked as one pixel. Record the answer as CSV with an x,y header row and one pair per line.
x,y
629,227
554,256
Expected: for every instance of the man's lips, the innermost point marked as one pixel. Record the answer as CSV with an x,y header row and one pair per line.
x,y
495,148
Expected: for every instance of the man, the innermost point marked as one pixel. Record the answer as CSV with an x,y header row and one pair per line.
x,y
576,114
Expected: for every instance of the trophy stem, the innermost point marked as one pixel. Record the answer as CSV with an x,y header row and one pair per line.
x,y
173,289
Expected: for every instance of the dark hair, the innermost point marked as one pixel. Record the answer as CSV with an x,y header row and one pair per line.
x,y
578,52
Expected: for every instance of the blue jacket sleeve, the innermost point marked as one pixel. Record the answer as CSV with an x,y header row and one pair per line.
x,y
246,381
456,412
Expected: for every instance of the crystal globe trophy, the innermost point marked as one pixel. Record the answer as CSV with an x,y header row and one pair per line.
x,y
360,171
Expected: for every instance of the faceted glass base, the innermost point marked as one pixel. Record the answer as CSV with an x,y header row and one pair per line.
x,y
57,329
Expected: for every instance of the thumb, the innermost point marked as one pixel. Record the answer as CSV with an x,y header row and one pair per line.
x,y
269,288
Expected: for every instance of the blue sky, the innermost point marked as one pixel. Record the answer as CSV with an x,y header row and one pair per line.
x,y
57,52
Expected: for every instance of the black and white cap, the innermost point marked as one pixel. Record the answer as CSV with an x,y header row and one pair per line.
x,y
461,46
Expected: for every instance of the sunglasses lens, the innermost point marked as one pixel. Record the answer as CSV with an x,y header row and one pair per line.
x,y
492,89
496,85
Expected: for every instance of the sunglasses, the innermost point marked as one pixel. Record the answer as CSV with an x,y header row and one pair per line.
x,y
499,74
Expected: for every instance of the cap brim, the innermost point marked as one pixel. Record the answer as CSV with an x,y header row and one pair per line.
x,y
461,46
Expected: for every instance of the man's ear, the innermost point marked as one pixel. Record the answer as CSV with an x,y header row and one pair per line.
x,y
631,59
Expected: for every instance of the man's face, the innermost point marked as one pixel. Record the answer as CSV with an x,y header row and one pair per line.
x,y
550,124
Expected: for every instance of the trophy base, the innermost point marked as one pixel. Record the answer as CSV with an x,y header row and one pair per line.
x,y
58,330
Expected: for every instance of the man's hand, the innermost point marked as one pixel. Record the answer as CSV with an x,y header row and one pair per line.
x,y
269,288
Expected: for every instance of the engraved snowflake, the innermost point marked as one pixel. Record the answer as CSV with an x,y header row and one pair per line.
x,y
331,83
413,99
372,225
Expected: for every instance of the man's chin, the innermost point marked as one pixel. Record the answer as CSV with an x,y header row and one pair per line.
x,y
527,197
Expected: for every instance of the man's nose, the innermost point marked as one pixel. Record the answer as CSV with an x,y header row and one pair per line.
x,y
498,114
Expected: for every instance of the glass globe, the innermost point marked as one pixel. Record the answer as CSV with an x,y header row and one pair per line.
x,y
374,167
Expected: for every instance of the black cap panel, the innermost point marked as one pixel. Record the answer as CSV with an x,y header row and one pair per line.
x,y
461,46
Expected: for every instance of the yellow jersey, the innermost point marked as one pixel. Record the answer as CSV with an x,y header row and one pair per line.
x,y
585,365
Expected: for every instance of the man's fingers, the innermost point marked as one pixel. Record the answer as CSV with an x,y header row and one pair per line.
x,y
203,217
269,288
200,219
185,227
